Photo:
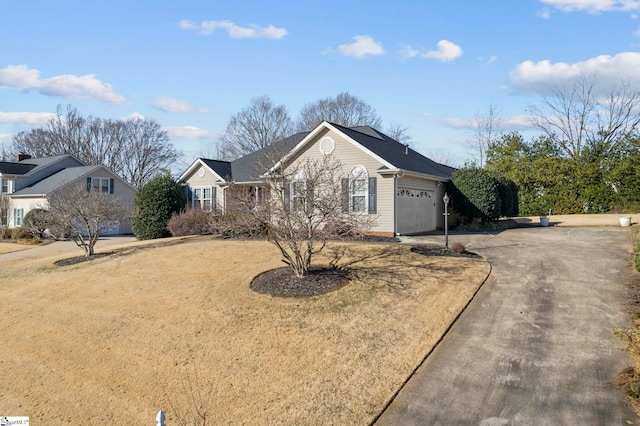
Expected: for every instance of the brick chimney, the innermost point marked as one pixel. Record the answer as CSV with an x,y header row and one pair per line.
x,y
22,156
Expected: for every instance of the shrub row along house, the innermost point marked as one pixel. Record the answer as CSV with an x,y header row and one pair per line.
x,y
380,177
29,182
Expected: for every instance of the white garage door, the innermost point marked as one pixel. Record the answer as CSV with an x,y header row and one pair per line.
x,y
416,211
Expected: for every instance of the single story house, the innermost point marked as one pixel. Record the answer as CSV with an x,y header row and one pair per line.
x,y
401,187
27,182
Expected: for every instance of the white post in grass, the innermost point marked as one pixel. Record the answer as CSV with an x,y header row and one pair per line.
x,y
160,418
446,220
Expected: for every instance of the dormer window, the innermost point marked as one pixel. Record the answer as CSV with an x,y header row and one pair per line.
x,y
5,186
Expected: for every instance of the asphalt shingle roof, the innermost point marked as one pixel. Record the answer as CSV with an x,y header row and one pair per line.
x,y
394,152
250,167
11,168
56,180
222,168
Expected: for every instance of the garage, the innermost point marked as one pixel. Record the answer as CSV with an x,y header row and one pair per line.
x,y
416,211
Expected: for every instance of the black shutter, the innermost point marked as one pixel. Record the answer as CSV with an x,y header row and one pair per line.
x,y
214,202
111,184
345,195
373,202
310,201
88,184
287,195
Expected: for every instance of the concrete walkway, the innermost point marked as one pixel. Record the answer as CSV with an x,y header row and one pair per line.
x,y
66,248
536,346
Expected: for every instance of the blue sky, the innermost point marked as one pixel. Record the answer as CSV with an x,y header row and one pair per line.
x,y
430,66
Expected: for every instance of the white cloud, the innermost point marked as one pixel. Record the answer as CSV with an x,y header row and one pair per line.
x,y
133,116
169,104
233,30
539,77
23,78
544,13
188,132
512,123
408,52
26,119
363,46
447,51
593,6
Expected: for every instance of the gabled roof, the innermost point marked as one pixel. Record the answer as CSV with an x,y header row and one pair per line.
x,y
222,168
11,168
251,167
56,181
393,155
399,155
219,167
44,162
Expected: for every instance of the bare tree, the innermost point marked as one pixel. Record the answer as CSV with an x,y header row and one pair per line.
x,y
84,214
486,129
136,149
148,151
297,207
255,127
581,116
400,133
5,208
345,110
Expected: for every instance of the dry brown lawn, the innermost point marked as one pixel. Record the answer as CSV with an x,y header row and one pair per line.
x,y
114,340
11,247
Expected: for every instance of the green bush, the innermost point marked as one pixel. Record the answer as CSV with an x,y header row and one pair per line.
x,y
192,222
509,197
154,205
475,194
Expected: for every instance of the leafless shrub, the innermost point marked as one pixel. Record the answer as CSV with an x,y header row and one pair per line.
x,y
192,222
458,248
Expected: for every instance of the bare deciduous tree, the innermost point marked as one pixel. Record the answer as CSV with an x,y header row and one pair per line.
x,y
84,214
148,152
345,109
255,127
400,133
297,207
581,115
5,208
136,149
486,130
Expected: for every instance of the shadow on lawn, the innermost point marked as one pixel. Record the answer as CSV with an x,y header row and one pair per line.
x,y
394,267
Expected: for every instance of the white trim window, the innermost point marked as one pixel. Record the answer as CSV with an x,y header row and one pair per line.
x,y
359,192
204,197
299,191
18,217
100,184
6,186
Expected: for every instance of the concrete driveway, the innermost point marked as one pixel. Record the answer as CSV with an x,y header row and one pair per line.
x,y
536,346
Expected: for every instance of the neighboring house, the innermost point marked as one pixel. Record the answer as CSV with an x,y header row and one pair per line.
x,y
381,176
29,181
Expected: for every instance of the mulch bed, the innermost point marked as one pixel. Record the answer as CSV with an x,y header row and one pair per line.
x,y
283,282
441,251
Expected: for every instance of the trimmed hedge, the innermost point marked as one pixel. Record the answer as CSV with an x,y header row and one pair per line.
x,y
479,194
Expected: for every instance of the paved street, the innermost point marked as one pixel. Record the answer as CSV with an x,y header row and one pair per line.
x,y
536,346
